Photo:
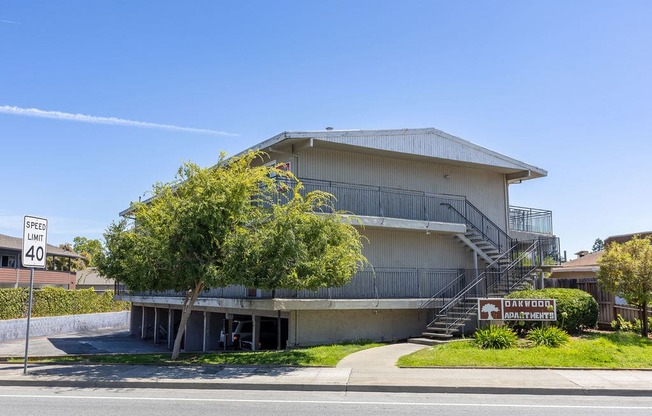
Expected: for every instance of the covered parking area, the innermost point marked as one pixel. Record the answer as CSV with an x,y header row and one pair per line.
x,y
210,328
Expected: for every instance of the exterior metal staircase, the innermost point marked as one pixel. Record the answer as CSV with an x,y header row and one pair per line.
x,y
508,267
453,313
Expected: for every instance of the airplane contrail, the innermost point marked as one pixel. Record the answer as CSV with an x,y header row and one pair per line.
x,y
9,22
83,118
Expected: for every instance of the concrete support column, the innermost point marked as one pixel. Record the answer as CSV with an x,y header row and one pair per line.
x,y
143,324
293,329
228,330
255,332
207,318
135,320
170,328
156,324
278,331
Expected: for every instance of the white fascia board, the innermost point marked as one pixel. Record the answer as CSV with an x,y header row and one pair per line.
x,y
402,224
277,304
523,170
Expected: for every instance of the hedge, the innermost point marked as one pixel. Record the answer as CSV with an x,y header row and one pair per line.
x,y
13,303
576,309
53,301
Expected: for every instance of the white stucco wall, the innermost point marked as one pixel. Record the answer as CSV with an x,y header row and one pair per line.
x,y
11,329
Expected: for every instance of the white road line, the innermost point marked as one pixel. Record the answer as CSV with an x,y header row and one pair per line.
x,y
321,402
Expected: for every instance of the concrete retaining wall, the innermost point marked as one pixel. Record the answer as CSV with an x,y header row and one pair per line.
x,y
11,329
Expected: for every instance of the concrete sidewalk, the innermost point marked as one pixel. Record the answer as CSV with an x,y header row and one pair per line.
x,y
370,370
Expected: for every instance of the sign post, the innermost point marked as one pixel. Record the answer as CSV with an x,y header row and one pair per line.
x,y
35,238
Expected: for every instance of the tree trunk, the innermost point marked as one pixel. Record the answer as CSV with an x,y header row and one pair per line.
x,y
644,328
188,302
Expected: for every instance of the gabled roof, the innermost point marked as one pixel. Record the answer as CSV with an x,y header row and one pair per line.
x,y
588,260
623,238
424,143
14,243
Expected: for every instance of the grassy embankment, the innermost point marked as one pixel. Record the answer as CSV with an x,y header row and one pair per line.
x,y
592,350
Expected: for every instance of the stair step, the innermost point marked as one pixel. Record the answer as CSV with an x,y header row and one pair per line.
x,y
427,341
436,335
452,321
446,324
444,328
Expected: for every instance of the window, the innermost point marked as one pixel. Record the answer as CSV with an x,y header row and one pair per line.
x,y
8,261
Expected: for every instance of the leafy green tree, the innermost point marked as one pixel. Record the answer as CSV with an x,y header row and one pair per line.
x,y
89,249
598,245
60,263
231,224
626,271
292,246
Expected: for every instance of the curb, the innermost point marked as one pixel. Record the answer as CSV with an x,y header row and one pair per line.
x,y
343,388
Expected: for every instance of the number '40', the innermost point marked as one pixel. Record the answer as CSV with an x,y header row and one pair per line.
x,y
39,253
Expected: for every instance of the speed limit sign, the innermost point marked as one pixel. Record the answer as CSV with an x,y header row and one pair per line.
x,y
35,238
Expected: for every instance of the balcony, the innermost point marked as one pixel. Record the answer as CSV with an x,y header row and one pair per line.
x,y
376,201
10,277
381,283
530,220
373,201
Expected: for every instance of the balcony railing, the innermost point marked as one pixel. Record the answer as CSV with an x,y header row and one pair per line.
x,y
388,202
381,283
530,220
20,277
412,205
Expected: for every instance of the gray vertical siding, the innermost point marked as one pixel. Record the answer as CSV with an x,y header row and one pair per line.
x,y
482,187
413,249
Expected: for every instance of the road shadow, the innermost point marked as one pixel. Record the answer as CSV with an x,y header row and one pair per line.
x,y
115,373
113,343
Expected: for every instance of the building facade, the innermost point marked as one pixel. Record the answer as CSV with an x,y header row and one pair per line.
x,y
13,274
440,232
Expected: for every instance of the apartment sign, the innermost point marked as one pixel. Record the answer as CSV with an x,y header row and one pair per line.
x,y
517,309
35,237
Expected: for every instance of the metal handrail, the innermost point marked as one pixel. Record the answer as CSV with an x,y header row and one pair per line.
x,y
441,292
368,283
533,220
482,277
475,282
480,229
532,248
501,233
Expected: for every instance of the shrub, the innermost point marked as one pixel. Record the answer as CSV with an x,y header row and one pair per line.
x,y
623,325
53,301
13,303
581,309
548,336
495,337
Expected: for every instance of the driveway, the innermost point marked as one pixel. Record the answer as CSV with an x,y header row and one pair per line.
x,y
93,342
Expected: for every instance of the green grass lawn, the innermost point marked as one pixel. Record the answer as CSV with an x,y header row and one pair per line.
x,y
323,356
614,350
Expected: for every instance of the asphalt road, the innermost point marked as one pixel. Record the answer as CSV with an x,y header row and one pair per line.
x,y
31,401
91,342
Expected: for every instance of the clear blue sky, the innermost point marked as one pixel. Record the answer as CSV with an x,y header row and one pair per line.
x,y
566,86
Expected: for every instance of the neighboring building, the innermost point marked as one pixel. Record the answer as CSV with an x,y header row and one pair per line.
x,y
623,238
436,213
12,274
89,278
